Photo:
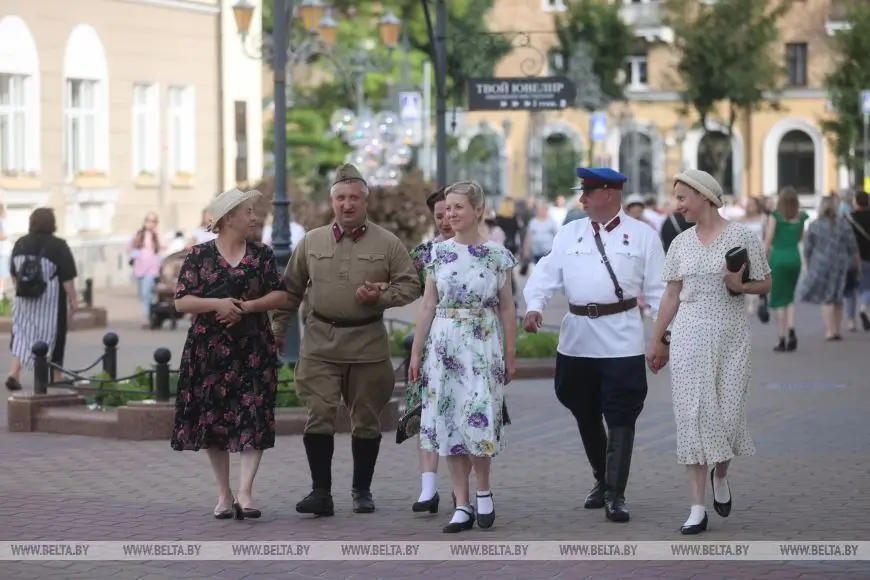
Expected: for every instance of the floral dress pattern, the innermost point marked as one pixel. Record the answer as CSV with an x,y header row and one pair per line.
x,y
420,256
463,372
228,376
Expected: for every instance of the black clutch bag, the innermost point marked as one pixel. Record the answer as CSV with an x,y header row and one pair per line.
x,y
736,258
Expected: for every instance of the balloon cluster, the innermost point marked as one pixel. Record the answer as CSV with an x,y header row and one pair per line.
x,y
382,144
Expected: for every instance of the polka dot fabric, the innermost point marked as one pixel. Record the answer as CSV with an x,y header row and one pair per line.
x,y
710,346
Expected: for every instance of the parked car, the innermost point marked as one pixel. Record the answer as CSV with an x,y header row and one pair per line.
x,y
163,295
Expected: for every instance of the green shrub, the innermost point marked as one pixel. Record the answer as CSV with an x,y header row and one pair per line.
x,y
5,306
108,394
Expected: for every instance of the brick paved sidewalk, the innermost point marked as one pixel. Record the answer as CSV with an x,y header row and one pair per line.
x,y
808,415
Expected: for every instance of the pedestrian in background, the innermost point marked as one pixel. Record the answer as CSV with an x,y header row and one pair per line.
x,y
860,222
146,250
229,366
782,235
43,272
830,250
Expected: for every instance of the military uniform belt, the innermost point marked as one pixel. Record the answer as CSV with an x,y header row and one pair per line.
x,y
347,323
596,310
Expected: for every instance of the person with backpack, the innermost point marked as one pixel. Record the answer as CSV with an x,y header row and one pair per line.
x,y
43,272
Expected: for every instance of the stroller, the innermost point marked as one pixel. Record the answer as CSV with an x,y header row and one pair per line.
x,y
163,296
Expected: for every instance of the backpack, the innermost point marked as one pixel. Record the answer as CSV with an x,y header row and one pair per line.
x,y
31,281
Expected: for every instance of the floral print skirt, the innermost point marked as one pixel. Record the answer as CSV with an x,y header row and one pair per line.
x,y
463,387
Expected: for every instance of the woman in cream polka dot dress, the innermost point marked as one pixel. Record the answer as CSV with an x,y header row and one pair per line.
x,y
710,366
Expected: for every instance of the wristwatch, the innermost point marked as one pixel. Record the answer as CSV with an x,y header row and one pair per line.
x,y
666,338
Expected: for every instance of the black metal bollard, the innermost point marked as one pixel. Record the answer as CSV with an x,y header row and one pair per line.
x,y
88,294
162,357
41,371
110,356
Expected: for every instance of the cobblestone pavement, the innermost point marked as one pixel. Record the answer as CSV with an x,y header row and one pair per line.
x,y
808,415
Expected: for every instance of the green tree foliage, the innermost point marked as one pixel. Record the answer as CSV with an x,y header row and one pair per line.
x,y
729,59
845,82
471,52
594,42
596,29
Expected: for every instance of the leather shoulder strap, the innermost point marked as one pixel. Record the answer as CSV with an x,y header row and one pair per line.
x,y
858,227
616,287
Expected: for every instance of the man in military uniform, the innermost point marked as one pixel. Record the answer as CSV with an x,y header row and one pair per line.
x,y
349,272
603,262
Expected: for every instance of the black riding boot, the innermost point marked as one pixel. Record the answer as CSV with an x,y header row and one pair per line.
x,y
365,456
619,448
319,449
595,443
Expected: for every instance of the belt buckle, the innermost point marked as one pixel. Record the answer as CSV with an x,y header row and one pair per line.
x,y
592,311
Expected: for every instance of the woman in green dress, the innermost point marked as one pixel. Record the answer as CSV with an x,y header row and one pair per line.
x,y
783,233
428,500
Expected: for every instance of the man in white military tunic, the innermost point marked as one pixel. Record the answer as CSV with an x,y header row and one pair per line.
x,y
603,262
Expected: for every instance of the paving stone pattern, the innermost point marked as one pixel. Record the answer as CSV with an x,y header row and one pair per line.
x,y
809,481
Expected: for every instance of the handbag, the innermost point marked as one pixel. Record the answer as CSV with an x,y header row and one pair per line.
x,y
409,423
736,258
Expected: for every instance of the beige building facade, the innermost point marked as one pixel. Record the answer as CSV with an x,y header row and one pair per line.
x,y
110,109
648,136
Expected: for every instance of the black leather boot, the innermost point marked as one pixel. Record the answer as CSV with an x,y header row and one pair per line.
x,y
319,449
595,444
619,448
365,456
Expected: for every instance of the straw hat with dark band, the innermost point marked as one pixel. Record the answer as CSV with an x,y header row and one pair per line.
x,y
227,202
702,182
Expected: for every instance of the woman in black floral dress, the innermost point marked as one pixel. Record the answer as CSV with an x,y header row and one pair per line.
x,y
229,367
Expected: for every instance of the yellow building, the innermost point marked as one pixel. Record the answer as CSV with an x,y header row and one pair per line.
x,y
110,109
768,151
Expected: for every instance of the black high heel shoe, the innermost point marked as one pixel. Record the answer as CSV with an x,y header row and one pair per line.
x,y
251,513
723,509
695,528
486,520
456,527
430,505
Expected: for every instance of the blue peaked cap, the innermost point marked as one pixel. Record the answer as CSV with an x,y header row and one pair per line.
x,y
602,176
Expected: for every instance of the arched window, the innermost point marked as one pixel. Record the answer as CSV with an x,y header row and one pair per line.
x,y
19,99
636,162
560,165
796,162
86,104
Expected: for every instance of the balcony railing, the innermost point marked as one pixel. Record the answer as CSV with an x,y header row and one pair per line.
x,y
647,19
838,15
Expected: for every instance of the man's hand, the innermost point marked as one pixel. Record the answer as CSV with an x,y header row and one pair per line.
x,y
369,292
532,322
280,335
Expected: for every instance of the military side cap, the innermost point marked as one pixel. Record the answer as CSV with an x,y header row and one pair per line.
x,y
347,172
600,177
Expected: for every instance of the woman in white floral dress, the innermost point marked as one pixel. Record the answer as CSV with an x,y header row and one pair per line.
x,y
710,347
469,318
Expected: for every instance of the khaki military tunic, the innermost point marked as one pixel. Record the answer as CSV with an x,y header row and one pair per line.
x,y
336,362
